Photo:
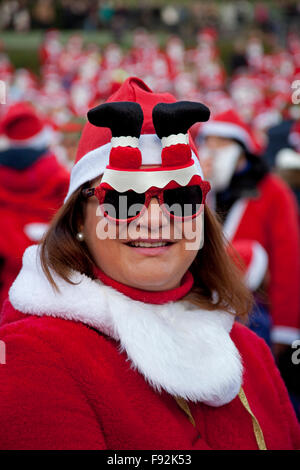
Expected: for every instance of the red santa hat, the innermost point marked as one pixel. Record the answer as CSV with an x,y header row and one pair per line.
x,y
208,34
138,127
229,124
22,126
253,261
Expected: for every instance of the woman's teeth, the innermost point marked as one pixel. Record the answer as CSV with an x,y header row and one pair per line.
x,y
139,244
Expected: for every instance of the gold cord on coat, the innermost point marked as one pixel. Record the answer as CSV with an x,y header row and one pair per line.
x,y
183,404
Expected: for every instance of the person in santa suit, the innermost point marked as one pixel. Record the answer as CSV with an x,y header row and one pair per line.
x,y
256,204
252,259
32,187
120,328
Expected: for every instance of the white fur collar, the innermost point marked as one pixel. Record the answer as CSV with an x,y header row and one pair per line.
x,y
176,346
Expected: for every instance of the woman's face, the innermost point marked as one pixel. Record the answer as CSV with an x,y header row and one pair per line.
x,y
151,253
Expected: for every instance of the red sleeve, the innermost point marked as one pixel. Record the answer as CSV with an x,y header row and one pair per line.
x,y
284,244
288,414
42,407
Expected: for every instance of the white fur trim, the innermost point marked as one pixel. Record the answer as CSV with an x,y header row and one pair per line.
x,y
140,181
288,159
94,163
175,139
284,334
125,141
229,131
4,143
35,231
258,267
234,218
177,347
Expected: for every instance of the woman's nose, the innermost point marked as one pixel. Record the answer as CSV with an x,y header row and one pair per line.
x,y
153,217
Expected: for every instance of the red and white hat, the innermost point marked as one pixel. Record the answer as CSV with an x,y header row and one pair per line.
x,y
23,127
138,127
254,260
229,125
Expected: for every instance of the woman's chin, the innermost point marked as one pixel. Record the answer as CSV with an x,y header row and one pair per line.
x,y
152,281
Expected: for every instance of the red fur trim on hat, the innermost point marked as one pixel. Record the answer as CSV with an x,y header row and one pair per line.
x,y
176,155
125,158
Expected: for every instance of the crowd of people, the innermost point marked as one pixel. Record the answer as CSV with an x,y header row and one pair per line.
x,y
89,15
75,76
249,151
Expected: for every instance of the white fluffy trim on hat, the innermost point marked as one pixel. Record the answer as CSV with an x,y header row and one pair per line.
x,y
228,130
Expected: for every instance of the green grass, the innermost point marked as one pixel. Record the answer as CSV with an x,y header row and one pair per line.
x,y
23,48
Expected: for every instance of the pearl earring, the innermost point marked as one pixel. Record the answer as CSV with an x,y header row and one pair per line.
x,y
80,236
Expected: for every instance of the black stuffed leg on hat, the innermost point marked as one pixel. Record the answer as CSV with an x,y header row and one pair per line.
x,y
172,122
125,120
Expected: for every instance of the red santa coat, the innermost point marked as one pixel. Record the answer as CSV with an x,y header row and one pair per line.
x,y
271,219
28,201
95,371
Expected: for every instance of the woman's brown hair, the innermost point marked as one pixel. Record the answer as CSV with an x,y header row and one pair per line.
x,y
217,280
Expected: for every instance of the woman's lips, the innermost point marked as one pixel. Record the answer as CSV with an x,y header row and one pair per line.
x,y
150,247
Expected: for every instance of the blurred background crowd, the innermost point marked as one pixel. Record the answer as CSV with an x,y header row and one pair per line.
x,y
118,16
251,53
242,59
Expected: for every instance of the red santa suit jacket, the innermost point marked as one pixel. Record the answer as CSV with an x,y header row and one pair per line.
x,y
28,200
271,219
90,368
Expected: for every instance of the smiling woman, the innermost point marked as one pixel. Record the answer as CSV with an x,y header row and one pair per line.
x,y
129,341
150,267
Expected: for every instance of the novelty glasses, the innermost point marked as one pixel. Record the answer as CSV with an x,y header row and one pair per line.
x,y
181,203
